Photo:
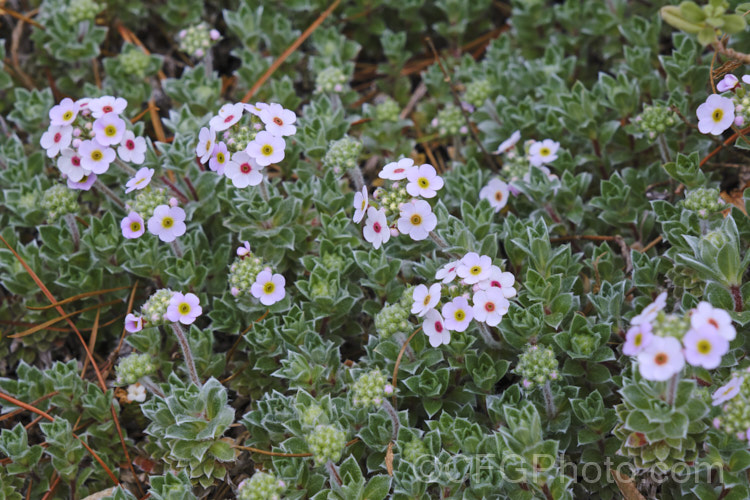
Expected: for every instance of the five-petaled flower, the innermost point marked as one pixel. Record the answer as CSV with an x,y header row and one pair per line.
x,y
268,287
184,308
167,223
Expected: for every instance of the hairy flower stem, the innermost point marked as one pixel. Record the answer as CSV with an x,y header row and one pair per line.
x,y
737,296
264,190
150,386
355,174
177,249
672,385
108,192
549,401
438,240
127,168
70,220
393,414
663,149
401,338
186,353
208,63
487,336
333,473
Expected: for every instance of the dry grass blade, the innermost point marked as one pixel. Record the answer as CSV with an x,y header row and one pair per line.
x,y
76,297
21,17
92,341
42,326
398,362
290,50
627,486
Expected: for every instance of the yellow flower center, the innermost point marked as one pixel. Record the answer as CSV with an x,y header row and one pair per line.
x,y
209,145
476,270
110,131
416,219
717,115
68,115
545,152
704,346
426,300
135,226
267,150
167,222
97,155
638,339
269,287
499,196
459,315
184,308
220,157
423,182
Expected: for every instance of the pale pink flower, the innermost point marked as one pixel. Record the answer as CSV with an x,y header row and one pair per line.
x,y
543,152
496,192
266,148
133,323
136,393
661,359
729,82
458,314
423,181
167,223
706,314
56,138
109,129
107,104
425,299
69,164
416,219
184,308
132,226
244,249
95,157
397,170
84,184
490,306
501,280
268,287
64,113
509,143
447,273
715,115
727,391
361,202
637,339
376,229
278,120
648,314
435,329
243,170
704,347
473,268
206,143
141,180
219,158
229,114
132,148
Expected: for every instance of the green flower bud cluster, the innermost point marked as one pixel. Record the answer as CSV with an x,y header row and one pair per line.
x,y
332,260
477,92
134,62
59,200
154,310
82,10
370,388
742,106
735,412
326,443
670,325
515,166
330,79
238,137
196,40
392,197
704,201
583,343
656,120
716,238
133,367
147,200
450,120
387,111
537,365
310,415
261,486
243,272
323,288
393,318
343,154
414,450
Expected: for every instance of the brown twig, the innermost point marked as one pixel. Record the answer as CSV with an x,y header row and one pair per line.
x,y
398,362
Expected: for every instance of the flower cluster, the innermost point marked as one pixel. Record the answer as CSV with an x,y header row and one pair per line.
x,y
487,285
165,220
516,165
734,401
450,121
87,135
399,202
477,91
343,154
370,388
655,120
705,201
58,201
730,107
330,79
394,318
133,367
165,306
537,365
197,40
261,486
245,146
326,442
664,342
248,275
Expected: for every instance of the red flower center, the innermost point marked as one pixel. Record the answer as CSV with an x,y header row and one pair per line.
x,y
398,170
438,327
713,323
130,144
228,118
661,358
107,109
496,283
76,161
245,168
489,306
278,121
58,136
377,227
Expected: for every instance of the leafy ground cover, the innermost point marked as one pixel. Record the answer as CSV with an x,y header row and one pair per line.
x,y
374,249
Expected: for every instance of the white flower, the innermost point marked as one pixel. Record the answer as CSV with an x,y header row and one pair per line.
x,y
141,180
501,280
447,273
648,314
435,330
543,152
706,314
219,158
727,83
458,314
509,143
69,163
266,148
715,115
167,223
490,306
244,249
704,347
268,287
376,229
397,170
107,104
64,113
278,120
255,108
243,170
473,268
206,142
229,114
95,157
661,359
109,129
425,299
133,323
361,202
136,393
727,391
423,181
416,219
496,192
132,148
56,138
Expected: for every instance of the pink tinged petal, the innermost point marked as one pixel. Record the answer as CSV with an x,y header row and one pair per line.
x,y
133,323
